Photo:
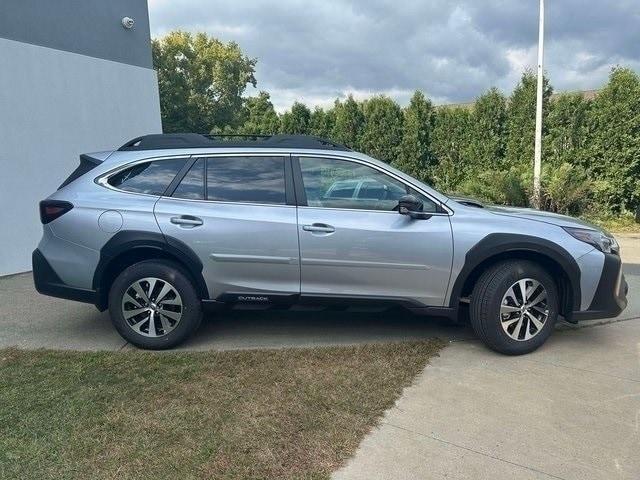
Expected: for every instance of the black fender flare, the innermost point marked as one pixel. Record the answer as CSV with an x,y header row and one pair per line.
x,y
131,240
501,244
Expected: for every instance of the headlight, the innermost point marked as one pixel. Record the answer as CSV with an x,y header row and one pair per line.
x,y
601,240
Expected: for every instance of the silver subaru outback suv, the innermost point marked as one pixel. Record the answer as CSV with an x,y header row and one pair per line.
x,y
170,226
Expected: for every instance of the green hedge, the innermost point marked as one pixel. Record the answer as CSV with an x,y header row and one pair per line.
x,y
591,144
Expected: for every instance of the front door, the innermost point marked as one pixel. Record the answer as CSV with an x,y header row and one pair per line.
x,y
235,213
354,243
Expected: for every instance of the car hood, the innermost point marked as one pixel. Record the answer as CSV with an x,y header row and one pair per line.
x,y
540,216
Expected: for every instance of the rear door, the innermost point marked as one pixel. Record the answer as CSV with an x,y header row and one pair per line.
x,y
358,245
238,214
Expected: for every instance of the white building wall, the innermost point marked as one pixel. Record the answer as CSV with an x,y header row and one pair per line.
x,y
55,105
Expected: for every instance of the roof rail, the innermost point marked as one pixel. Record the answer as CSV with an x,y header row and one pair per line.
x,y
161,141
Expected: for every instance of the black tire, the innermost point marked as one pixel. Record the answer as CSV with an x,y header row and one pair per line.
x,y
486,302
191,310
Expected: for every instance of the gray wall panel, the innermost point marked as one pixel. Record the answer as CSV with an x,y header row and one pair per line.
x,y
55,105
89,27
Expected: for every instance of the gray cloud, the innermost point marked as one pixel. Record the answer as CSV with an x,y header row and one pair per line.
x,y
452,50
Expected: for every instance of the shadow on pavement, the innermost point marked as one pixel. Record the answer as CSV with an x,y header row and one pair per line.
x,y
273,329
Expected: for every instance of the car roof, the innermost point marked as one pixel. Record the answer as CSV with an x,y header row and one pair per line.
x,y
164,141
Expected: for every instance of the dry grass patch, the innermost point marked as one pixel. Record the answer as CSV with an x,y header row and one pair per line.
x,y
293,413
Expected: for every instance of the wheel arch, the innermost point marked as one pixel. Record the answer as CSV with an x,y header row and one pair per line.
x,y
499,247
128,247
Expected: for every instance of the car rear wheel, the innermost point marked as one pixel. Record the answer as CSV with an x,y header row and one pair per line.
x,y
154,305
514,306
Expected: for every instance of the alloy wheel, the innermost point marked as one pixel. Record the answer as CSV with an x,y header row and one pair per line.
x,y
524,309
152,307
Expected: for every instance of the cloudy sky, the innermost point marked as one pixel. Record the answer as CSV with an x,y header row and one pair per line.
x,y
316,51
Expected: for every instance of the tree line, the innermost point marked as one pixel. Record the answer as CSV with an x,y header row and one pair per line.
x,y
591,146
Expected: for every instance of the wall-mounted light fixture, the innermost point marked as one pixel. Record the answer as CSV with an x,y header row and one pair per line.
x,y
127,22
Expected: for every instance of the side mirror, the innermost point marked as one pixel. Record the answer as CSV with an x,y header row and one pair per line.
x,y
412,206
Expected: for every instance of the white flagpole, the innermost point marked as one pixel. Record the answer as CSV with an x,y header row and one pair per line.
x,y
537,161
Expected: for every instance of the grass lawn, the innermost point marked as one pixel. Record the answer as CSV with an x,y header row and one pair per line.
x,y
291,413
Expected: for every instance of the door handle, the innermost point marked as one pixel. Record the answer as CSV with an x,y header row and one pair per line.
x,y
319,228
186,221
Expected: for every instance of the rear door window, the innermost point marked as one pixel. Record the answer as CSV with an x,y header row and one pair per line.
x,y
246,179
151,178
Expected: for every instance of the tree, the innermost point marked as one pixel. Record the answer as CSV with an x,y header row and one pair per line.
x,y
296,121
261,117
521,119
566,130
613,141
322,122
488,132
414,155
201,81
383,128
349,123
450,142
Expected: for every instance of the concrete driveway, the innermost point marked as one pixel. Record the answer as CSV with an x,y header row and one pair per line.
x,y
30,320
570,410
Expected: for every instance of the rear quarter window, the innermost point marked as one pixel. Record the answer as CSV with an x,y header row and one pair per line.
x,y
151,178
192,185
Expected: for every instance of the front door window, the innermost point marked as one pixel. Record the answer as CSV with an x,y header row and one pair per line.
x,y
334,183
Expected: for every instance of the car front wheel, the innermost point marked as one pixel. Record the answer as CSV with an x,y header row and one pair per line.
x,y
514,306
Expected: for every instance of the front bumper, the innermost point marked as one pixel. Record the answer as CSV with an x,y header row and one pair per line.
x,y
48,282
610,298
